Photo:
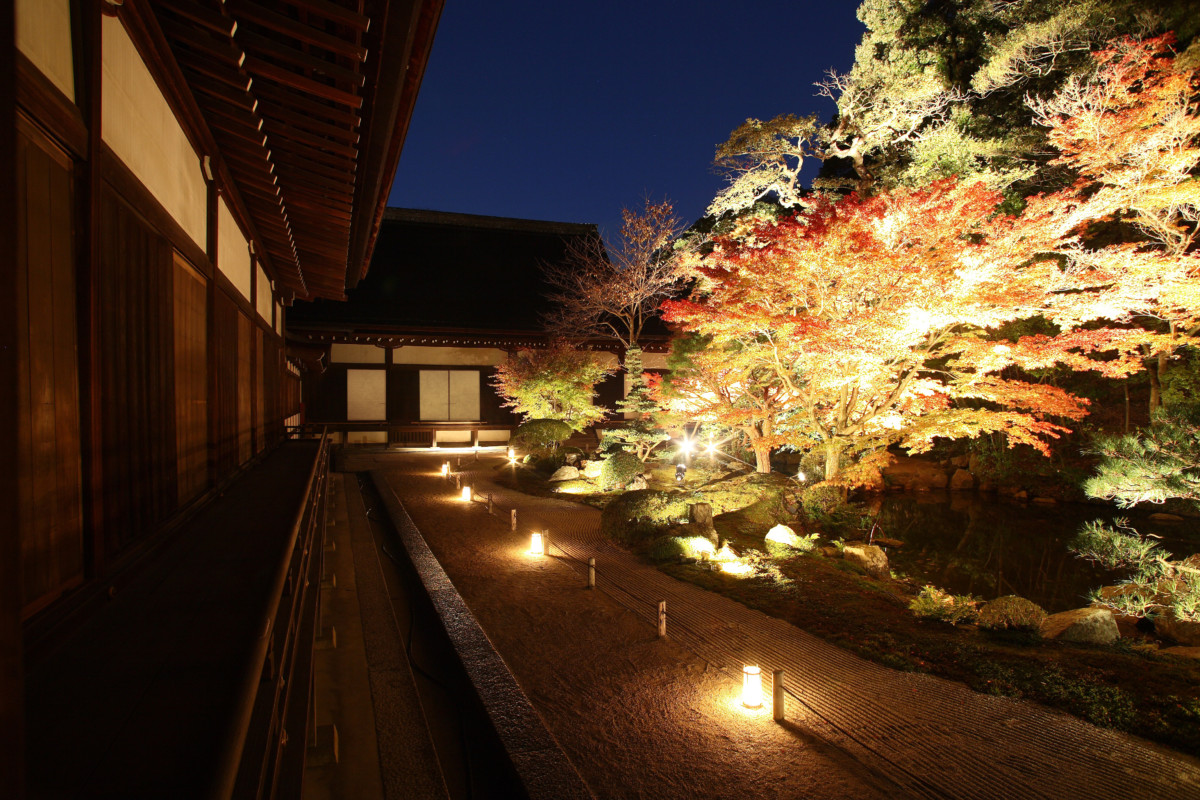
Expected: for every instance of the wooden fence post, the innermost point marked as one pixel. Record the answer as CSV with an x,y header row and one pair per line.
x,y
489,502
662,619
514,519
777,695
458,481
591,573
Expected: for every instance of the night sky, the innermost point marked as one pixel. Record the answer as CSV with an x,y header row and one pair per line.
x,y
569,111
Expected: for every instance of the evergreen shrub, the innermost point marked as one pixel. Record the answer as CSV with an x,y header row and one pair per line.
x,y
638,516
618,470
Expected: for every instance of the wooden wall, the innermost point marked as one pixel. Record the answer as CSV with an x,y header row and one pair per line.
x,y
191,380
144,379
137,375
48,445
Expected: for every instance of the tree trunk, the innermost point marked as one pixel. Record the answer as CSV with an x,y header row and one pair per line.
x,y
833,460
1156,372
762,456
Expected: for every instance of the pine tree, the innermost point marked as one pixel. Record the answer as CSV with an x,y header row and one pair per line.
x,y
640,434
1154,465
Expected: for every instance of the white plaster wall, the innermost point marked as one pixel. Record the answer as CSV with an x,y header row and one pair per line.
x,y
452,437
366,394
233,251
356,354
264,295
44,36
138,125
450,356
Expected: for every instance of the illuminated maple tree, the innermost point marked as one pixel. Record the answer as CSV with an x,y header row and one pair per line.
x,y
718,380
1132,131
869,319
557,382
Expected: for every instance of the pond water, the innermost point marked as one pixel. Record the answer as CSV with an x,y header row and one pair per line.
x,y
968,543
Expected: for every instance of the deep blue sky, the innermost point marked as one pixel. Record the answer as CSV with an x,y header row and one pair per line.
x,y
568,110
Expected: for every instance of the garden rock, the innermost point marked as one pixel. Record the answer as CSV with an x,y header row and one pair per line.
x,y
1082,625
961,480
637,483
1162,516
591,469
939,480
1178,630
700,516
868,556
567,473
784,535
829,551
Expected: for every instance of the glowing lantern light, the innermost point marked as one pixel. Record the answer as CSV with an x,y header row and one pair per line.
x,y
512,454
445,468
752,696
686,446
466,493
536,546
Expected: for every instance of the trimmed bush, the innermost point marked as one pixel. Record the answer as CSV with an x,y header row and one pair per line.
x,y
618,470
638,516
670,548
1012,613
541,434
933,603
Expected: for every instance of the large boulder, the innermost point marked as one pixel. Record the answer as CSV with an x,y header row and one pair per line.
x,y
591,469
868,556
962,480
1182,631
1082,625
700,521
567,473
637,484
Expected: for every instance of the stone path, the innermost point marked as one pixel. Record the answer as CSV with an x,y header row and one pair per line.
x,y
933,737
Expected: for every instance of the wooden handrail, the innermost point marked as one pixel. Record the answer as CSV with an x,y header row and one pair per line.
x,y
233,750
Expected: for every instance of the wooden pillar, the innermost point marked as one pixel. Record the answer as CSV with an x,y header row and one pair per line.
x,y
662,619
12,693
88,72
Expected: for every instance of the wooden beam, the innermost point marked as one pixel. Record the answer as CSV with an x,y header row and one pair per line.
x,y
305,104
200,15
247,11
339,164
293,177
210,46
334,13
342,133
265,70
301,162
295,134
256,44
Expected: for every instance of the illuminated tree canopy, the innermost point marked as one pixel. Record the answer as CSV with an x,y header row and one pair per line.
x,y
555,383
